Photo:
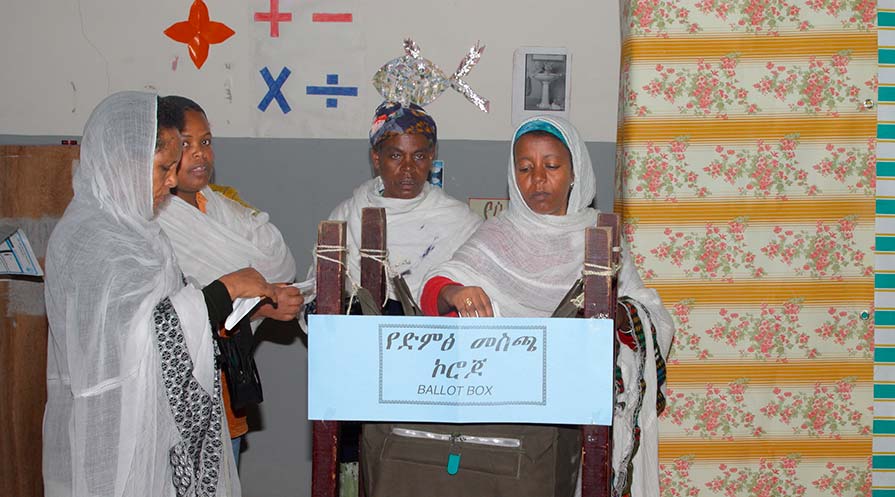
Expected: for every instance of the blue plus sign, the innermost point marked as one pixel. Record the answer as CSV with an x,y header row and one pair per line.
x,y
332,80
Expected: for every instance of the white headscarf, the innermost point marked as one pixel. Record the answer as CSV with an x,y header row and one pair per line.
x,y
108,426
422,232
226,238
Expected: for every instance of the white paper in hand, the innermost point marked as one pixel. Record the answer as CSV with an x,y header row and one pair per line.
x,y
243,306
306,287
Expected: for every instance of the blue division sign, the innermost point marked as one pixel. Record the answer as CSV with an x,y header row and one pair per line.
x,y
460,370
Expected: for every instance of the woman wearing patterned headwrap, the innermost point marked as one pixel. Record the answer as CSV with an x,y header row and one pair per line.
x,y
424,225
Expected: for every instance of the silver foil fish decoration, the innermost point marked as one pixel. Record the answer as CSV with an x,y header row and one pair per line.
x,y
414,79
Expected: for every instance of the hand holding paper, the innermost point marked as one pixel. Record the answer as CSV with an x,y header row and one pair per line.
x,y
289,304
243,306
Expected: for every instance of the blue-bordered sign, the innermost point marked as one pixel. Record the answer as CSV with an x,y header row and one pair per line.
x,y
460,370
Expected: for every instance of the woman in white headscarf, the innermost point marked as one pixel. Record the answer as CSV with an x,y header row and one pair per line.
x,y
133,390
522,264
527,259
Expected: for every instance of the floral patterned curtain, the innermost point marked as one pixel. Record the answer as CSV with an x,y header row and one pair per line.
x,y
746,184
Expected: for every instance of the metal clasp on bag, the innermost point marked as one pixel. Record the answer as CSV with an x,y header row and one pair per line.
x,y
453,464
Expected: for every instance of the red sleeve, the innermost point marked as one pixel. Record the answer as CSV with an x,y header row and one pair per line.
x,y
429,298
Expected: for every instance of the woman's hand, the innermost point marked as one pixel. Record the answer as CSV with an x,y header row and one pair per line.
x,y
288,304
468,301
248,282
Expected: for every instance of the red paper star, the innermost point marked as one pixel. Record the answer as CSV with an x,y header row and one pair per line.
x,y
198,32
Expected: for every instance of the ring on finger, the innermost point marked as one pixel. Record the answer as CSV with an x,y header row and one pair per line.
x,y
468,302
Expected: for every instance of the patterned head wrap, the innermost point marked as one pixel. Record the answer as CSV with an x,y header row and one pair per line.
x,y
393,119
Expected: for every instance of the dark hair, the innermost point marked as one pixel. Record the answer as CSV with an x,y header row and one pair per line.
x,y
183,104
177,106
167,117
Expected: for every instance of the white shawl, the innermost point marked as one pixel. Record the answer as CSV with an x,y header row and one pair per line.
x,y
421,232
226,238
108,427
526,262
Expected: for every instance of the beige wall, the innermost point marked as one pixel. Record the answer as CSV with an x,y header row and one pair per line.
x,y
63,57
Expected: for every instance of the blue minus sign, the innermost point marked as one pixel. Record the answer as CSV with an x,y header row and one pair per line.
x,y
345,91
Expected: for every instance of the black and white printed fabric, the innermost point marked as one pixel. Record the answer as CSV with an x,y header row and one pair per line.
x,y
196,459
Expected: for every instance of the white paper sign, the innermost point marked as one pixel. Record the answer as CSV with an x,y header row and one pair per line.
x,y
488,207
16,255
460,370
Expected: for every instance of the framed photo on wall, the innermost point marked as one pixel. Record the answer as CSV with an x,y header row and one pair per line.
x,y
541,82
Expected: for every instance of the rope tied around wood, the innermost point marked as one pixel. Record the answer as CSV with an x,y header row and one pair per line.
x,y
380,256
337,250
592,269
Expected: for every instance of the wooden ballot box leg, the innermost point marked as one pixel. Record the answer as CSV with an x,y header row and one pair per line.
x,y
599,302
330,285
373,253
372,277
